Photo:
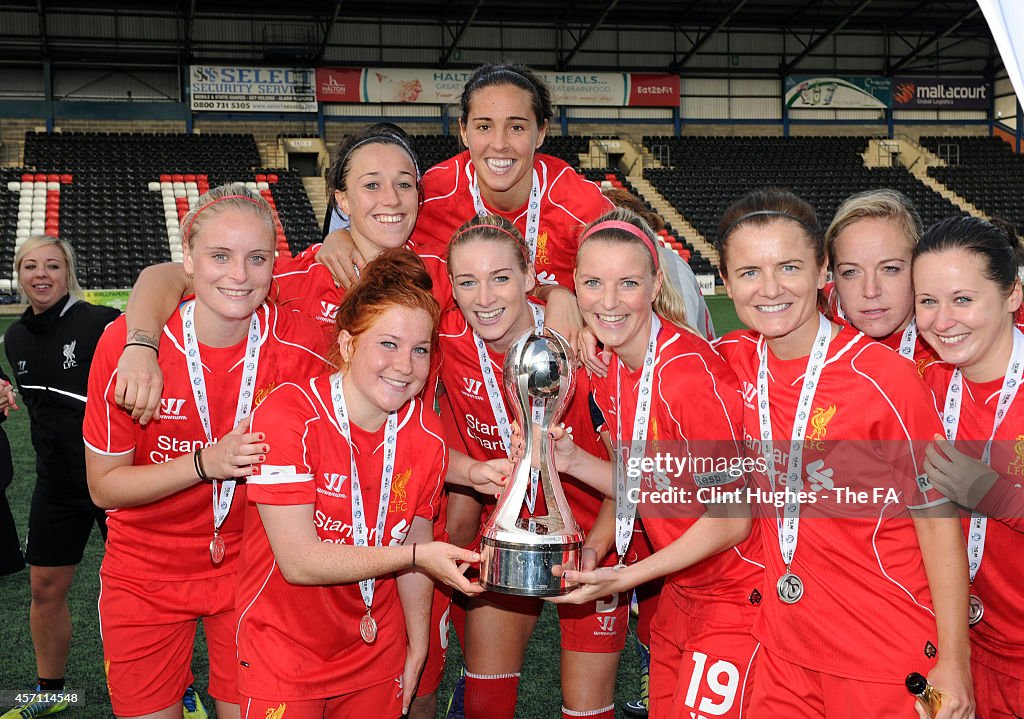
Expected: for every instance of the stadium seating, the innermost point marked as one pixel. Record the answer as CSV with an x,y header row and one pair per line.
x,y
669,237
119,197
989,174
707,173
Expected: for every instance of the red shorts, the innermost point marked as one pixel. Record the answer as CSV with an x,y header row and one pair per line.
x,y
784,689
700,667
437,649
148,629
379,700
996,695
598,628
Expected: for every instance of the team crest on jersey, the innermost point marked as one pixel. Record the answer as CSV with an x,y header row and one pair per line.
x,y
276,713
170,409
471,387
1016,467
262,394
542,250
399,503
69,354
820,418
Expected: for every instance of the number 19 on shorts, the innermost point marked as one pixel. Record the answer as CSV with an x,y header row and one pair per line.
x,y
712,689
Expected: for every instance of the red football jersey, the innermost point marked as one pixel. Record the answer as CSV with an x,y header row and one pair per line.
x,y
696,413
301,642
304,285
568,202
169,539
474,418
858,554
997,641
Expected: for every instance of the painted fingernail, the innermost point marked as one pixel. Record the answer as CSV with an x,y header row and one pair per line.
x,y
263,458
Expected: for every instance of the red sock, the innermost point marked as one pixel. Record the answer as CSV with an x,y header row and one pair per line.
x,y
606,713
491,696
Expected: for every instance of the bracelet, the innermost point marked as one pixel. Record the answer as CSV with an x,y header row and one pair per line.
x,y
414,554
197,459
140,344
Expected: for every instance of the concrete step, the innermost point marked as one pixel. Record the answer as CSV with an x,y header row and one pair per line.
x,y
672,216
316,189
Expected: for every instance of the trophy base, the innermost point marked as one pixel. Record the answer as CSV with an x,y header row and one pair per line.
x,y
525,569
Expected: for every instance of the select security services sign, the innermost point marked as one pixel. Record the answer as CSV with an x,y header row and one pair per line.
x,y
220,88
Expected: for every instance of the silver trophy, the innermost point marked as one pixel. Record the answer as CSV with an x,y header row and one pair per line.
x,y
519,547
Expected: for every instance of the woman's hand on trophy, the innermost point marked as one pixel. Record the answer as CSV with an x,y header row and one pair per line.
x,y
448,563
594,584
490,477
590,355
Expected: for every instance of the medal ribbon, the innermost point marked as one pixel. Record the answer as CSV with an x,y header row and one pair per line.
x,y
246,391
789,525
359,531
909,341
625,511
951,421
498,404
532,212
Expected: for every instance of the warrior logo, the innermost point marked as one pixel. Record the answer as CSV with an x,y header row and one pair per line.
x,y
171,408
328,310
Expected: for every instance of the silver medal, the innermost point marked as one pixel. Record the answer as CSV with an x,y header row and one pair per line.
x,y
975,609
368,629
217,549
790,588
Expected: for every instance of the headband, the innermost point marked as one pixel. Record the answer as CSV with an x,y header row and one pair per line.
x,y
628,228
766,213
248,198
384,138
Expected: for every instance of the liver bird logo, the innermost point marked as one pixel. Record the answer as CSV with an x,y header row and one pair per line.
x,y
819,421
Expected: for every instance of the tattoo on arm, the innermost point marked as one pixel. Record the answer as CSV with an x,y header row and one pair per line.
x,y
144,338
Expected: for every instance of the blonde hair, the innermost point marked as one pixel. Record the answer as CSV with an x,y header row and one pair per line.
x,y
882,204
492,228
668,303
235,196
71,264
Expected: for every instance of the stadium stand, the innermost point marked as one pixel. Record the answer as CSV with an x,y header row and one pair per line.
x,y
707,173
119,197
987,172
670,238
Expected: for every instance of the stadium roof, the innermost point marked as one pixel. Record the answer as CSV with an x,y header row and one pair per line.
x,y
917,32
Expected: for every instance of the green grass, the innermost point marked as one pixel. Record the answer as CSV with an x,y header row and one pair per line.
x,y
539,688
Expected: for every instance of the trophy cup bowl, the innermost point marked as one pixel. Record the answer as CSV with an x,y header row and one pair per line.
x,y
518,552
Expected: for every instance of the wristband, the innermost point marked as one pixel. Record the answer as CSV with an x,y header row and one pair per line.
x,y
197,459
140,344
